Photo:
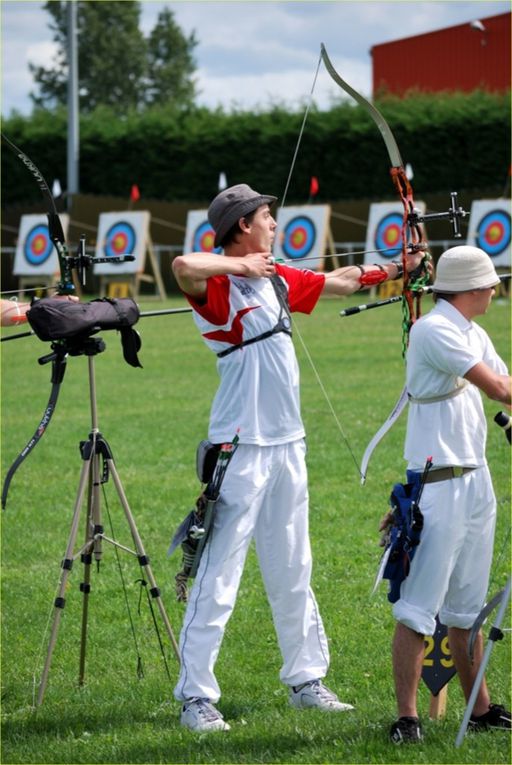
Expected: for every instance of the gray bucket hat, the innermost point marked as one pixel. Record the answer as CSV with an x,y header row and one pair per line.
x,y
464,268
231,205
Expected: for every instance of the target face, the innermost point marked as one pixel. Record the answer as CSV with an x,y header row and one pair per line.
x,y
299,237
119,240
122,233
35,252
388,235
38,246
493,232
203,239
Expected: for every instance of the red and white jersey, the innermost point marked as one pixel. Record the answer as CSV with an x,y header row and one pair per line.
x,y
258,395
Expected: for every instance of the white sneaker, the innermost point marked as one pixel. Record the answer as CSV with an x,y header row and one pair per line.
x,y
315,694
200,715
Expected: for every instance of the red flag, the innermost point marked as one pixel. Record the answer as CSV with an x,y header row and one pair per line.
x,y
313,186
134,193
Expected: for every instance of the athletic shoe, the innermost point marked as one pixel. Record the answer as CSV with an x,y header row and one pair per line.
x,y
315,694
406,730
496,717
201,716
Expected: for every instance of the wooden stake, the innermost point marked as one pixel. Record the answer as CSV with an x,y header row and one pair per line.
x,y
438,704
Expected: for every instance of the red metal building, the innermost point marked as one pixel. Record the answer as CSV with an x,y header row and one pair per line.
x,y
465,57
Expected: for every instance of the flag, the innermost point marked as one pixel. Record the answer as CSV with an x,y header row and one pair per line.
x,y
223,182
56,188
134,193
314,186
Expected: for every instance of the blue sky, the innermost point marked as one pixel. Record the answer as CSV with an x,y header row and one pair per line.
x,y
252,53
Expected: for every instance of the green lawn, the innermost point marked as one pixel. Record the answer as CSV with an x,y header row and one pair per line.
x,y
153,419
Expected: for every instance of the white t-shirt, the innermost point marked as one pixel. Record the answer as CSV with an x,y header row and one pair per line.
x,y
258,395
443,347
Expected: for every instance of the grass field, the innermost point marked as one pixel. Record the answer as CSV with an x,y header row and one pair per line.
x,y
153,419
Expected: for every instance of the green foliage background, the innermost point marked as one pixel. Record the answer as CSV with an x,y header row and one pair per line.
x,y
454,141
153,419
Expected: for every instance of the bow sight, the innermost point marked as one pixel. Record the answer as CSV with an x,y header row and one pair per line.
x,y
80,263
454,214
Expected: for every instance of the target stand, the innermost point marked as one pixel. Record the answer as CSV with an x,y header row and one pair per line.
x,y
94,450
127,233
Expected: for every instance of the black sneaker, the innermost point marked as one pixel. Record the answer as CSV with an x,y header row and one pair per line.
x,y
496,717
406,730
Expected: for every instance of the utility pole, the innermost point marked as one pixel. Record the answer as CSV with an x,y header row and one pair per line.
x,y
73,109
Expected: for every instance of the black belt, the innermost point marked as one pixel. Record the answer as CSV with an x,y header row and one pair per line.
x,y
445,474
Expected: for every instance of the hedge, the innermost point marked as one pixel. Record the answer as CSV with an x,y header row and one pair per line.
x,y
452,140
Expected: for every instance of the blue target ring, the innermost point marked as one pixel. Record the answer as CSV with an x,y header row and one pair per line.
x,y
203,239
120,240
38,246
388,235
299,237
493,232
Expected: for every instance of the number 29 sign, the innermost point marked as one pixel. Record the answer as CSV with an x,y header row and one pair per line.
x,y
438,664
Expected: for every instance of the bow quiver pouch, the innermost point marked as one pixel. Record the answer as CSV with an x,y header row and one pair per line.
x,y
405,532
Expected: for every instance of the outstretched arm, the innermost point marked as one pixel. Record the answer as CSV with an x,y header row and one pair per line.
x,y
14,312
349,279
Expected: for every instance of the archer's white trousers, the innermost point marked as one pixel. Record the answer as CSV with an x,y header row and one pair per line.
x,y
264,496
449,573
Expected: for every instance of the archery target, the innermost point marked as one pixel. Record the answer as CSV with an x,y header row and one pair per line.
x,y
120,239
301,235
199,235
122,233
35,252
388,235
384,231
489,229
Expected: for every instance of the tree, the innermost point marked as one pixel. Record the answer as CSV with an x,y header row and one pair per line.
x,y
117,66
170,64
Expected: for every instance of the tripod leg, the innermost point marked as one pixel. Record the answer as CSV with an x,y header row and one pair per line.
x,y
143,558
92,527
67,564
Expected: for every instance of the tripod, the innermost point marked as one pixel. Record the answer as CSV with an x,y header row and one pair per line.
x,y
92,451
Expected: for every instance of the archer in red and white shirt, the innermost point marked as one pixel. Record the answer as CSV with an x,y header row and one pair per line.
x,y
242,315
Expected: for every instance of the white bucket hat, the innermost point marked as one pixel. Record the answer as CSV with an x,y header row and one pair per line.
x,y
464,268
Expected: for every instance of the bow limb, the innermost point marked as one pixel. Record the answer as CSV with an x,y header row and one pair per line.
x,y
65,286
411,233
379,435
389,139
412,241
